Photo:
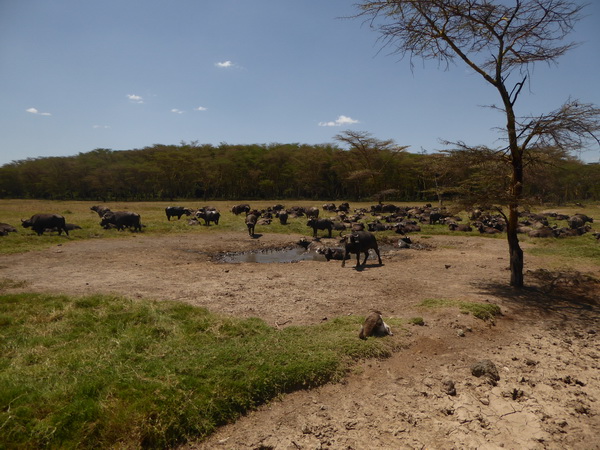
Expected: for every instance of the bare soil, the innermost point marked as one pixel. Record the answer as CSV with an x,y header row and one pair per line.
x,y
545,345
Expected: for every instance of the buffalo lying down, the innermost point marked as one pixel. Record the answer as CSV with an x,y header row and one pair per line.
x,y
6,228
40,222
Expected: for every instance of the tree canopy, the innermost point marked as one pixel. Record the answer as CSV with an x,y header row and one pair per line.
x,y
377,170
501,41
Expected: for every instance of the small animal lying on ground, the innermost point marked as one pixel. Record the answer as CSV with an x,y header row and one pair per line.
x,y
374,326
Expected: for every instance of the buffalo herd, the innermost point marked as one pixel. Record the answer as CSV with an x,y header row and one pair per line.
x,y
358,224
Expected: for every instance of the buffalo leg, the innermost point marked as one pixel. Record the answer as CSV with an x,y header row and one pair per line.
x,y
366,257
378,255
344,258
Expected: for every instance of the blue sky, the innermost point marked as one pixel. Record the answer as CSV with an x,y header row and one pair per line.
x,y
76,75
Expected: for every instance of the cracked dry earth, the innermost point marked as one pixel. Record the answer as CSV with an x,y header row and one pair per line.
x,y
545,345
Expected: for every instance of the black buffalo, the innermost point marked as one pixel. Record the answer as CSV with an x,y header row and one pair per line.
x,y
6,228
209,215
239,209
283,217
100,210
40,222
320,224
172,211
578,220
251,220
357,243
312,211
122,219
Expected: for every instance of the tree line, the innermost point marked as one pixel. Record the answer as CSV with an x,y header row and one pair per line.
x,y
369,169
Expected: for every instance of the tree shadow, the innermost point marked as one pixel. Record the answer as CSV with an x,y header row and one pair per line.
x,y
568,303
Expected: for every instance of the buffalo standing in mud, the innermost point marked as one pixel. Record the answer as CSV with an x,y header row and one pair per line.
x,y
357,243
122,219
40,222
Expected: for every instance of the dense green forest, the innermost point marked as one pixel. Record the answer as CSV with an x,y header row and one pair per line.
x,y
278,171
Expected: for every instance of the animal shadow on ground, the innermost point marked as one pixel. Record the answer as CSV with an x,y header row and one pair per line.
x,y
366,266
569,297
256,236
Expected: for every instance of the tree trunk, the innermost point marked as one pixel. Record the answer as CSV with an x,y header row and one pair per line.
x,y
514,249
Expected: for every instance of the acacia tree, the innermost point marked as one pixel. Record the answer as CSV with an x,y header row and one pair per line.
x,y
372,156
501,43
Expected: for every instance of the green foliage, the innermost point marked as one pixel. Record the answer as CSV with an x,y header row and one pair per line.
x,y
376,170
100,371
483,311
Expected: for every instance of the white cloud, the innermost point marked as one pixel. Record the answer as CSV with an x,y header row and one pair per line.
x,y
200,108
176,111
135,98
101,126
35,111
224,64
341,120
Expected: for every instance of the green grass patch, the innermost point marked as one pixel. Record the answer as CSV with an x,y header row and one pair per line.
x,y
6,283
483,311
585,249
416,321
105,371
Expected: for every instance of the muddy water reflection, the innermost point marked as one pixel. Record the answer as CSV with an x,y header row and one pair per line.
x,y
282,255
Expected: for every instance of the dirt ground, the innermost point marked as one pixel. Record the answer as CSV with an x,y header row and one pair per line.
x,y
545,346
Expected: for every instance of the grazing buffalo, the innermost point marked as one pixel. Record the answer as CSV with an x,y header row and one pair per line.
x,y
172,211
239,209
329,207
40,222
320,224
360,242
122,219
100,210
251,220
209,215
